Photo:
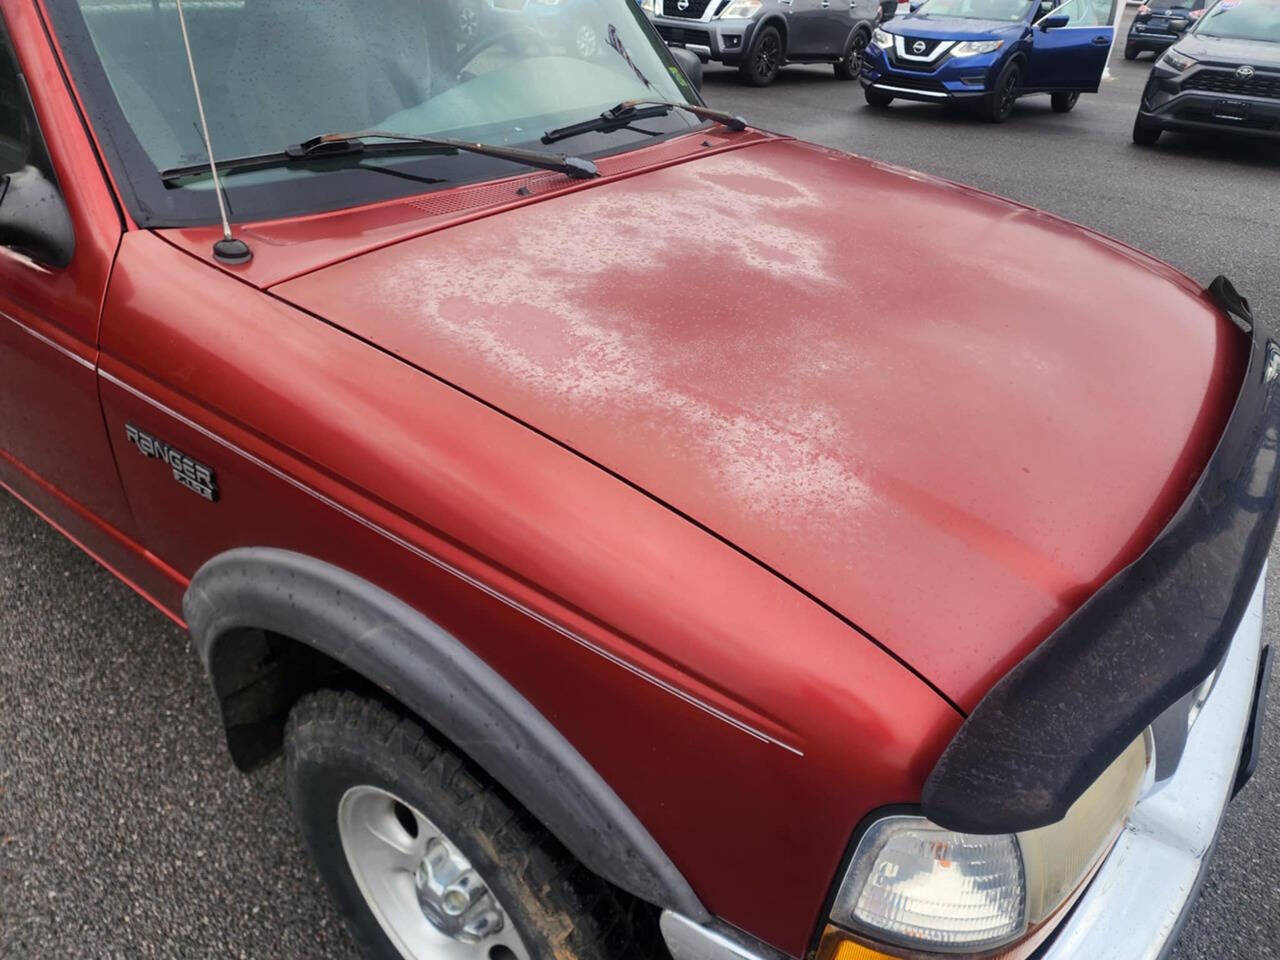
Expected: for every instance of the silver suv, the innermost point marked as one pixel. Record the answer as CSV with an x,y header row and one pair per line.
x,y
759,36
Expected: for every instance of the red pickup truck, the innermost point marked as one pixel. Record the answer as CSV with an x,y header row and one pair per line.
x,y
600,598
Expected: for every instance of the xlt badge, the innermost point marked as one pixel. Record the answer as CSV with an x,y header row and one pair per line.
x,y
192,474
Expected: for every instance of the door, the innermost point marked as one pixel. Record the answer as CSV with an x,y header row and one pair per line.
x,y
1074,55
54,451
837,26
809,28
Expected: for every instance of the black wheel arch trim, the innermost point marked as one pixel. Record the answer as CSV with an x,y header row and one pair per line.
x,y
1148,636
778,23
392,645
864,27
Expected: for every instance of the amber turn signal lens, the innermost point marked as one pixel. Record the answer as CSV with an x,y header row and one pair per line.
x,y
837,946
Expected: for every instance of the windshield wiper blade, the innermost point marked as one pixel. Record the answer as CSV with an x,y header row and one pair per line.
x,y
625,113
344,144
607,122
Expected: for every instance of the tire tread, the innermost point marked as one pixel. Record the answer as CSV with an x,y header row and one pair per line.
x,y
606,924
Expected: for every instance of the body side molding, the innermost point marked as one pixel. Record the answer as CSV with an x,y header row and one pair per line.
x,y
432,673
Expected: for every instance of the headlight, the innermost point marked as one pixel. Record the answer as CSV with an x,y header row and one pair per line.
x,y
1177,61
651,6
882,39
740,10
914,884
971,48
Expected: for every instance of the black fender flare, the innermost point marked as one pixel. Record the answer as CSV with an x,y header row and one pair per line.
x,y
862,26
778,23
432,673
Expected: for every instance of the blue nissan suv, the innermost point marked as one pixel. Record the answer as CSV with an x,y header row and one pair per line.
x,y
990,52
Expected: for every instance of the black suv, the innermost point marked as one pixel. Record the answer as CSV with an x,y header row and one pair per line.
x,y
1159,24
759,36
1223,75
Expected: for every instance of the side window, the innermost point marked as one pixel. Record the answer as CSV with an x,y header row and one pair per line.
x,y
34,219
1086,13
15,128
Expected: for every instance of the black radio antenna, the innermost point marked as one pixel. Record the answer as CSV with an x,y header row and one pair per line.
x,y
229,249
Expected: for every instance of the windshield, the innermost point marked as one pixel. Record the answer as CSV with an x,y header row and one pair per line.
x,y
1243,20
1010,11
277,72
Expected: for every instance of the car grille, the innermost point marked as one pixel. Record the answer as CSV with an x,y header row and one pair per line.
x,y
909,45
693,11
912,83
1220,81
698,38
916,65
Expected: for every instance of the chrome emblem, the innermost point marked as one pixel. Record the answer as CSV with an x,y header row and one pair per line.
x,y
1245,73
192,474
918,46
682,4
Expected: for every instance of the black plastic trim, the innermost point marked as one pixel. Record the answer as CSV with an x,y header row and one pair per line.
x,y
1252,750
1154,631
432,673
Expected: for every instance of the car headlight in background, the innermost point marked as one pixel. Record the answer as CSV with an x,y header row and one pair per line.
x,y
1177,61
651,6
740,10
916,885
882,39
971,48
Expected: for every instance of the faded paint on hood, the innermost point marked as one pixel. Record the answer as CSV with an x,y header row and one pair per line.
x,y
948,417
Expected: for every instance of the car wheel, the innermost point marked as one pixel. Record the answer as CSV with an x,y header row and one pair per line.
x,y
428,859
765,59
850,66
999,102
1145,133
1130,52
1064,102
876,98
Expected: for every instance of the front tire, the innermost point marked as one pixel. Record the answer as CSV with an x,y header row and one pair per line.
x,y
427,858
850,66
1145,134
876,99
1064,102
999,103
764,60
1130,51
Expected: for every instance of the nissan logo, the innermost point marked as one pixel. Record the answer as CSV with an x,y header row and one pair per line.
x,y
918,46
1245,72
682,4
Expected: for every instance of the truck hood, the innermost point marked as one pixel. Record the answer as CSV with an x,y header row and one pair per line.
x,y
947,417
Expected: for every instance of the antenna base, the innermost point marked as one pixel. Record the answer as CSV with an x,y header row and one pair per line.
x,y
232,250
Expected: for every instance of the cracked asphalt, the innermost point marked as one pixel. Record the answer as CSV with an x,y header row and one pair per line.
x,y
124,829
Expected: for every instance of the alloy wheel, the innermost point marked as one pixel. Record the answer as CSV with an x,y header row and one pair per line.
x,y
857,53
768,57
1009,93
429,899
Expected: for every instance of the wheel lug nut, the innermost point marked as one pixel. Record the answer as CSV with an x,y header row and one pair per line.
x,y
455,901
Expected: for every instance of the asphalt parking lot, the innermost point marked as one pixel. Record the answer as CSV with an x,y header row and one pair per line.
x,y
125,831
